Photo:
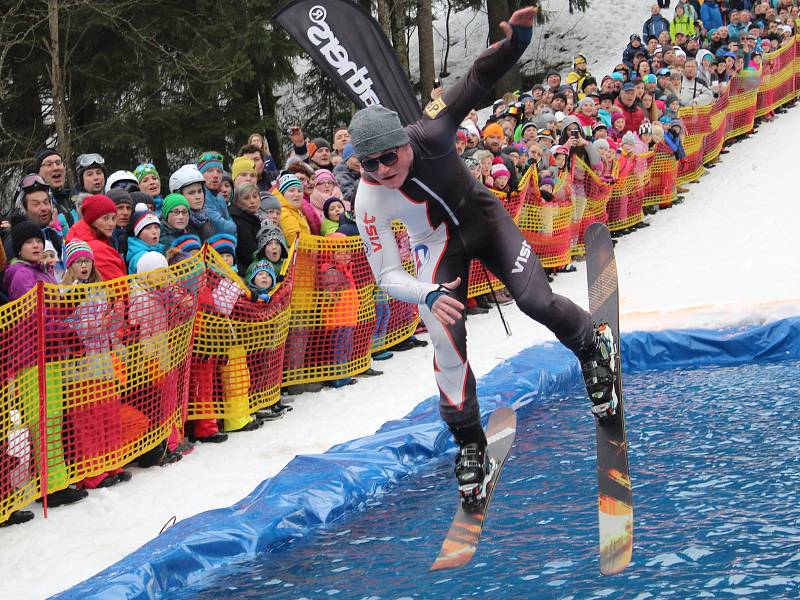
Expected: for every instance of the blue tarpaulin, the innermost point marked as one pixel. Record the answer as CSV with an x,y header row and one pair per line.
x,y
317,489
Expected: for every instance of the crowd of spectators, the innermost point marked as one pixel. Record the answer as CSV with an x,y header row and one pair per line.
x,y
115,223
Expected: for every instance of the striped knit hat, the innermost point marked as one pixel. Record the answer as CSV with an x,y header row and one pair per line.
x,y
75,250
187,243
141,218
288,180
224,243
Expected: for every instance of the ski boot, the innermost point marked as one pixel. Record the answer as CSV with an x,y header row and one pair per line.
x,y
474,470
598,363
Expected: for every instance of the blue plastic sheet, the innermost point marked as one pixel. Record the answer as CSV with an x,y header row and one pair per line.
x,y
317,489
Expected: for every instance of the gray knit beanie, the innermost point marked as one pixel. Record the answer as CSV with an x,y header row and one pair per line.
x,y
269,201
374,129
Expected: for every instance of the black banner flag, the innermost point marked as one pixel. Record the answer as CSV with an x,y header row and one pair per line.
x,y
349,45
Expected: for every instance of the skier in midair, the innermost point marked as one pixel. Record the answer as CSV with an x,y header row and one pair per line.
x,y
415,175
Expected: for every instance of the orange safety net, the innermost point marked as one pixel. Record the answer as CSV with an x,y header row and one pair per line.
x,y
333,325
237,356
548,225
21,478
743,92
777,79
590,196
117,357
660,190
632,172
696,120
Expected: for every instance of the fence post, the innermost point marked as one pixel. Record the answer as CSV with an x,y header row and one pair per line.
x,y
41,368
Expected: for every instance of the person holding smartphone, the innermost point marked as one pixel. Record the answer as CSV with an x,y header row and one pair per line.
x,y
414,174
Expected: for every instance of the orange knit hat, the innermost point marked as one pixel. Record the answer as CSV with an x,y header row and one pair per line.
x,y
493,129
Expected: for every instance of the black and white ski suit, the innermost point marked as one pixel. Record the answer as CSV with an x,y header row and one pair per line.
x,y
451,218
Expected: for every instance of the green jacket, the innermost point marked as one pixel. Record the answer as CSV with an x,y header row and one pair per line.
x,y
681,25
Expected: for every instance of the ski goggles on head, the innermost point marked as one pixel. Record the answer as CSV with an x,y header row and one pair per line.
x,y
87,160
387,158
32,182
210,157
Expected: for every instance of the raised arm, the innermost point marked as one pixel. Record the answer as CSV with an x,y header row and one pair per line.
x,y
487,69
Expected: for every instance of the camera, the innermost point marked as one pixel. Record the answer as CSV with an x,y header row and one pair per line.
x,y
291,130
437,83
574,134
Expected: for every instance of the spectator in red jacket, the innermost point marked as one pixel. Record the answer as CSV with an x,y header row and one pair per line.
x,y
634,115
99,218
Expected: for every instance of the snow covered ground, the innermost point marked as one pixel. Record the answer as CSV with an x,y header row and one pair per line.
x,y
727,255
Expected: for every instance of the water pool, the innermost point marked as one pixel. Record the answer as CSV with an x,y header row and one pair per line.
x,y
715,461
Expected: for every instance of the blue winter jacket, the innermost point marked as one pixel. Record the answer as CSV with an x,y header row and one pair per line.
x,y
674,142
653,27
218,213
710,15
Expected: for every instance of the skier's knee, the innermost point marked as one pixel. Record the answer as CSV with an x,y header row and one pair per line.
x,y
539,306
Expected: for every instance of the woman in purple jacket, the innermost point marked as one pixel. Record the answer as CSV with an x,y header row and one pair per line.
x,y
24,271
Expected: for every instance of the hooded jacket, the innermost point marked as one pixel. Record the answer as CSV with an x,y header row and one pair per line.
x,y
293,221
347,180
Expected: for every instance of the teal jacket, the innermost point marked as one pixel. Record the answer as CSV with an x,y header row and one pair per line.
x,y
136,249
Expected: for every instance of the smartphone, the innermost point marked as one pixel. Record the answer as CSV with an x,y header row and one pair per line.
x,y
574,134
437,83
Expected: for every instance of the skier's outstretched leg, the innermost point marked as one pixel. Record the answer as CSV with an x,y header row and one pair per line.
x,y
458,400
510,257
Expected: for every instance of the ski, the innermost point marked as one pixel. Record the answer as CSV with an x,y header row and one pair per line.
x,y
615,498
464,534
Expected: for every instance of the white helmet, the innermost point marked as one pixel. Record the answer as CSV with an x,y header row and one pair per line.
x,y
121,177
184,176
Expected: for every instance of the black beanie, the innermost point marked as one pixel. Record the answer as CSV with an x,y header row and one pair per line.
x,y
120,196
23,231
41,155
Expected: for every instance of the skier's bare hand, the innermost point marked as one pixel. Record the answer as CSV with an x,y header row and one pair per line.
x,y
524,17
446,308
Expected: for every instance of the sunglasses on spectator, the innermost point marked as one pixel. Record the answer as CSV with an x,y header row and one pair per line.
x,y
388,159
32,182
87,160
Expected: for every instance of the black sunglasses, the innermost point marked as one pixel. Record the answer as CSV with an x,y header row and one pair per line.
x,y
371,164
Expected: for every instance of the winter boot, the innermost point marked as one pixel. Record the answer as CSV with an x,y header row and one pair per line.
x,y
598,363
473,468
17,517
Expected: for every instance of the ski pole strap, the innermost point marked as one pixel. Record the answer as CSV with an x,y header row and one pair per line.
x,y
434,295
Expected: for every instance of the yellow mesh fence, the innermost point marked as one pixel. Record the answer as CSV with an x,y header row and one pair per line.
x,y
590,196
777,79
334,324
237,356
20,409
548,225
632,173
663,175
